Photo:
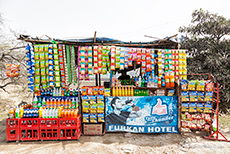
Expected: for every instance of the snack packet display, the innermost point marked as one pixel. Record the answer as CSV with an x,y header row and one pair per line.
x,y
208,96
85,107
93,118
184,85
101,117
100,108
85,118
101,90
93,108
192,108
200,95
184,107
209,86
193,96
200,107
92,100
183,116
184,96
94,90
207,108
192,85
84,91
200,85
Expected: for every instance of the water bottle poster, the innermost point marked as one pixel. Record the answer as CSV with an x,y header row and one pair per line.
x,y
158,114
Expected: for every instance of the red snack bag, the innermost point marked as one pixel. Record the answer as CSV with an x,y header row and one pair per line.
x,y
189,117
84,91
101,90
95,90
90,91
209,86
193,126
199,126
184,124
206,127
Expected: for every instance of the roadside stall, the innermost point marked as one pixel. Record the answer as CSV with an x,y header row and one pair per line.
x,y
152,94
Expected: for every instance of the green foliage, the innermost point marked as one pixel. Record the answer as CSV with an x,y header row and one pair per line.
x,y
208,44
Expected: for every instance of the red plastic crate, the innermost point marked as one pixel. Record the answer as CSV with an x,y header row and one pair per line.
x,y
68,122
49,133
69,133
49,122
12,134
29,122
29,134
12,123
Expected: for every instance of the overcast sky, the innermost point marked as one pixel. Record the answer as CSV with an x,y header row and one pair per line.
x,y
126,20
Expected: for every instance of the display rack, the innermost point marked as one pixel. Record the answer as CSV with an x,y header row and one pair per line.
x,y
213,135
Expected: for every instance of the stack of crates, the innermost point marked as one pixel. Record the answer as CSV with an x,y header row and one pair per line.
x,y
29,129
49,129
70,128
12,129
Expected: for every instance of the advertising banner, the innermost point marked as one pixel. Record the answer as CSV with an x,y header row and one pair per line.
x,y
149,114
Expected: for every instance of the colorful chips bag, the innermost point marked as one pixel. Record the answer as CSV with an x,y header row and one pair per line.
x,y
85,118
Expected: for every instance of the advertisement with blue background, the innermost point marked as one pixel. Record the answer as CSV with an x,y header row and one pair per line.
x,y
149,114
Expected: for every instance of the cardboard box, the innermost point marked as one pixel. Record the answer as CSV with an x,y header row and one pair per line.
x,y
92,129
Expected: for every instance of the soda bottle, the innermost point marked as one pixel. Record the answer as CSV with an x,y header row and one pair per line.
x,y
63,92
51,92
55,104
73,103
40,112
56,113
159,82
62,103
66,103
163,81
74,92
60,112
139,81
113,91
76,113
122,91
128,91
119,91
43,102
17,113
171,79
69,102
71,92
51,104
58,103
143,82
21,112
167,79
146,82
72,113
131,91
35,101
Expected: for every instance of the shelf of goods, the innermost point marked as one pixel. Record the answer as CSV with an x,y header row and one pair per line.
x,y
198,98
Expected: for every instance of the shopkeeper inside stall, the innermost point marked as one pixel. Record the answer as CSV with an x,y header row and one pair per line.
x,y
124,76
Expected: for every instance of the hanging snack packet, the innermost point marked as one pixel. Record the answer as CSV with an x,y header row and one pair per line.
x,y
184,124
184,96
209,86
184,107
200,85
107,92
184,85
192,85
100,99
93,108
92,100
189,117
208,96
193,96
85,107
93,118
192,108
100,108
84,91
183,116
101,117
85,118
200,95
207,108
207,127
200,107
90,90
94,90
101,90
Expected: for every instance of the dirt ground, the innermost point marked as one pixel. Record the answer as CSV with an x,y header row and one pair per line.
x,y
112,143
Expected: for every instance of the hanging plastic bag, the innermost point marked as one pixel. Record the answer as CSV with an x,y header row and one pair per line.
x,y
12,70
